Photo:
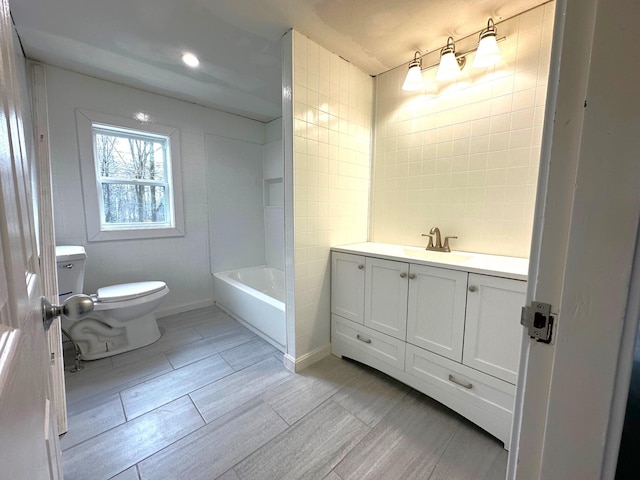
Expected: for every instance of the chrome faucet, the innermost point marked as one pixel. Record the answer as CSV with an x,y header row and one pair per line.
x,y
438,246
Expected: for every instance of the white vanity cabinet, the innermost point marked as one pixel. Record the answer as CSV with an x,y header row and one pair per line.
x,y
450,332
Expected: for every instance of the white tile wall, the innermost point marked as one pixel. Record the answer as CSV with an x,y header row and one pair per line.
x,y
464,156
332,113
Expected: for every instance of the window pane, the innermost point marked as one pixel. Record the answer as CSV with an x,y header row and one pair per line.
x,y
129,157
133,204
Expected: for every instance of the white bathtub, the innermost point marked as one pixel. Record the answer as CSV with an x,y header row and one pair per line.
x,y
255,297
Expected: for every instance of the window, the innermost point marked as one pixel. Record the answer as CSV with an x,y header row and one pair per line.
x,y
130,175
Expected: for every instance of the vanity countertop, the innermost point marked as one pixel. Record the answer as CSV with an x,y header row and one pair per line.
x,y
497,265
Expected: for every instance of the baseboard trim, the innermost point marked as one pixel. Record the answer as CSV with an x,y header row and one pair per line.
x,y
298,364
184,308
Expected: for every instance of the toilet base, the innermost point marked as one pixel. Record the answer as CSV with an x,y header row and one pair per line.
x,y
98,339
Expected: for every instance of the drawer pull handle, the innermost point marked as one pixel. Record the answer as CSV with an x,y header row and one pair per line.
x,y
362,339
360,266
403,275
458,382
472,288
412,276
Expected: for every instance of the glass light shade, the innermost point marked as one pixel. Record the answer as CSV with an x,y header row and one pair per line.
x,y
488,52
448,68
413,80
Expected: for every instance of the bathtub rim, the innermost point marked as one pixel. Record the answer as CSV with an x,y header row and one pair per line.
x,y
225,277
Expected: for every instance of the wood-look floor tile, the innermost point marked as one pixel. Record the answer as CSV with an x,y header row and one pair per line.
x,y
191,318
370,395
229,475
222,396
128,474
146,396
90,386
469,455
303,392
209,346
114,451
212,450
219,326
406,444
169,341
309,449
102,415
498,470
332,476
249,353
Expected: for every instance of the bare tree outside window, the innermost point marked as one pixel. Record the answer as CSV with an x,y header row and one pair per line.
x,y
131,171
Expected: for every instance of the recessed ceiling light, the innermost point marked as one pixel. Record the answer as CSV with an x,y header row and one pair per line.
x,y
190,59
143,117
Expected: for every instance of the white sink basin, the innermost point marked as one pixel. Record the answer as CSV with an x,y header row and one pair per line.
x,y
445,257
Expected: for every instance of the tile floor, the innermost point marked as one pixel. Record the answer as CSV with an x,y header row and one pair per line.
x,y
211,400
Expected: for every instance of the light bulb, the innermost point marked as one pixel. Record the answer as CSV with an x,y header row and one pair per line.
x,y
191,60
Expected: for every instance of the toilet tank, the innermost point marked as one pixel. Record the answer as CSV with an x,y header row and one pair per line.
x,y
70,261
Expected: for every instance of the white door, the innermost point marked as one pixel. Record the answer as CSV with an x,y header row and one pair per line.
x,y
583,250
385,294
28,438
435,317
492,334
347,286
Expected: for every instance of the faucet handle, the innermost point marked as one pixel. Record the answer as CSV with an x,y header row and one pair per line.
x,y
446,244
430,243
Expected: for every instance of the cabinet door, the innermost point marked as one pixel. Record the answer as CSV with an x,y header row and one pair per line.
x,y
435,319
386,284
347,286
493,333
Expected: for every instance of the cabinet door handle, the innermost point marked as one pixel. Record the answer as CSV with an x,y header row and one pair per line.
x,y
360,266
362,339
403,275
412,276
458,382
472,288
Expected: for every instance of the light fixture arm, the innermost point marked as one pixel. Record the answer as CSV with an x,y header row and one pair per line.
x,y
490,30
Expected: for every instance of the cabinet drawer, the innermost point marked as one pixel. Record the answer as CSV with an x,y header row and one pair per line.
x,y
383,347
485,391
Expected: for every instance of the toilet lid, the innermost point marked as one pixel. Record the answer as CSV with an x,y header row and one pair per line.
x,y
127,291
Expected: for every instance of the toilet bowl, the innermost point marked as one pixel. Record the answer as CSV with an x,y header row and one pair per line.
x,y
123,316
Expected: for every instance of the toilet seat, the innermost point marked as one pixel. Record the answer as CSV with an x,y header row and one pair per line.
x,y
128,291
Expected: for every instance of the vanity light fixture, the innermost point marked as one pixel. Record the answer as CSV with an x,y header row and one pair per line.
x,y
488,52
413,80
450,64
190,60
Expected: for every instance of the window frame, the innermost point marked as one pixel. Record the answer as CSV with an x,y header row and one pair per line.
x,y
92,192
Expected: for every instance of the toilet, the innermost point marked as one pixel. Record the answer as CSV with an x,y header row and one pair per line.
x,y
123,316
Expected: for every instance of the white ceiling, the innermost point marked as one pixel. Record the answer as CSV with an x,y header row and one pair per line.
x,y
140,42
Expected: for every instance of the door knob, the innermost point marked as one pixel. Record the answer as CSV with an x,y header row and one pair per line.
x,y
76,307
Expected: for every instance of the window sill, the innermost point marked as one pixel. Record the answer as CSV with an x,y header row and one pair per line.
x,y
137,233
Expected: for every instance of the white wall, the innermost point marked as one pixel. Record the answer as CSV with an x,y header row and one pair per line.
x,y
183,262
273,169
464,156
326,180
236,217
